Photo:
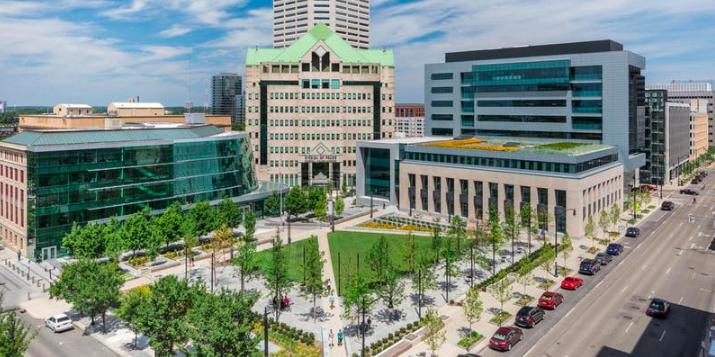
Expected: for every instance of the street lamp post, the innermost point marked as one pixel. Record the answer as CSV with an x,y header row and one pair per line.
x,y
370,204
265,331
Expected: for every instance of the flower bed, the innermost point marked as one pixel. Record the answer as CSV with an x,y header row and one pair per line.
x,y
545,284
468,341
531,261
524,300
392,338
500,318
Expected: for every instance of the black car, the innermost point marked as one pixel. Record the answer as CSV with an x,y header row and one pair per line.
x,y
529,316
614,249
658,308
633,232
667,206
603,258
687,191
589,267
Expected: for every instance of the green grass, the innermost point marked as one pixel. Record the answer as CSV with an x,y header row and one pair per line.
x,y
350,245
295,260
560,146
470,340
500,318
524,300
546,284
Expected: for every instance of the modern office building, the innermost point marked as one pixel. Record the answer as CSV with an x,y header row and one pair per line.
x,y
586,91
409,120
3,106
82,116
350,19
473,177
668,141
698,94
698,134
227,96
53,178
308,104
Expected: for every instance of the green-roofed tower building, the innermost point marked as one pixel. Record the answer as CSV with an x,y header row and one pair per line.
x,y
307,104
50,179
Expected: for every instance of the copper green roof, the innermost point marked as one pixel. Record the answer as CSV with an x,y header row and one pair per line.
x,y
39,138
320,33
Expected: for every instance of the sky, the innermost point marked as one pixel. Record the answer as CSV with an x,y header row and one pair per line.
x,y
97,51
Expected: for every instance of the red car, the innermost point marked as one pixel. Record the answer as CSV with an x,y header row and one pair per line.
x,y
550,300
504,338
571,283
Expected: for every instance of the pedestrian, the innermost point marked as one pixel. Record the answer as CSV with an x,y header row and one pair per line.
x,y
340,337
19,254
331,338
331,298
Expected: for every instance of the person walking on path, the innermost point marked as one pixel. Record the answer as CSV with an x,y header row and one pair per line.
x,y
331,339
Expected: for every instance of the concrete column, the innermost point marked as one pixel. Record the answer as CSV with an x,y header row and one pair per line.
x,y
552,203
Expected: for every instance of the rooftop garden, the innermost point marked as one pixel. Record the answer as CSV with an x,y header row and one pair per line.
x,y
561,148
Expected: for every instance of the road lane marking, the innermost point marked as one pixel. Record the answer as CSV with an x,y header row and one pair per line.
x,y
667,271
692,245
568,313
681,300
644,266
599,283
693,277
661,336
624,288
629,326
691,238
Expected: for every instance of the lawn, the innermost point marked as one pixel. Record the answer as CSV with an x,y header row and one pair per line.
x,y
295,260
349,245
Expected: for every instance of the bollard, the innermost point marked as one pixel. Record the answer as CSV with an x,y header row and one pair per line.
x,y
28,296
33,279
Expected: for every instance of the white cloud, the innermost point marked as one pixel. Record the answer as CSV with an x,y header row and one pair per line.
x,y
125,12
19,8
175,31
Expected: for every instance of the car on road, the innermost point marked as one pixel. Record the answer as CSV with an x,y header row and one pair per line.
x,y
658,308
589,267
667,206
59,323
529,316
505,337
614,249
550,300
571,283
633,232
603,258
688,191
651,188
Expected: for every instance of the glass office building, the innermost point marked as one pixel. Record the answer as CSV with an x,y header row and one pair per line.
x,y
83,176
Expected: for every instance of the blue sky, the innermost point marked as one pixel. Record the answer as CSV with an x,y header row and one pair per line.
x,y
96,51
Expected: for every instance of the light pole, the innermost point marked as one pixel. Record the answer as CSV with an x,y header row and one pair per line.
x,y
370,204
265,331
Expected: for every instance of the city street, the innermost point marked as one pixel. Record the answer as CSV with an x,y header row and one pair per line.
x,y
66,344
607,317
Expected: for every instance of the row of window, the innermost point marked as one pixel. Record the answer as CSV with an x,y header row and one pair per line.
x,y
319,122
12,173
334,67
316,109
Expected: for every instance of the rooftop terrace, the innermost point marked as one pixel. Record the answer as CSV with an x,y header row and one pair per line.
x,y
564,148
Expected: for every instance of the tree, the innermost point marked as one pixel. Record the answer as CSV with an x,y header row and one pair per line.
x,y
130,305
155,239
220,325
436,245
604,221
15,335
379,258
590,230
315,194
392,290
410,252
245,260
425,279
525,277
313,271
566,247
277,275
249,222
472,306
189,237
296,201
85,241
272,205
344,187
339,206
358,298
228,213
320,207
169,223
511,227
114,239
615,215
548,261
525,213
496,236
223,237
204,217
162,315
135,231
434,334
90,287
502,292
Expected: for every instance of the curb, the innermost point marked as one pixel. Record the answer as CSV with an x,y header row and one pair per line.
x,y
115,349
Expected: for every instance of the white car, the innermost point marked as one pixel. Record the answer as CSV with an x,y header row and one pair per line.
x,y
59,323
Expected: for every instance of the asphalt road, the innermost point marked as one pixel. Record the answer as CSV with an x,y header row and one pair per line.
x,y
607,317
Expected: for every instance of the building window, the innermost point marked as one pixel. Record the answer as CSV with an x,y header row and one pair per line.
x,y
441,76
442,103
442,117
442,90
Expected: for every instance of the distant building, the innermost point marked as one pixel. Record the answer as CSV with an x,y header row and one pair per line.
x,y
698,135
698,94
409,120
81,116
668,141
227,96
350,19
3,106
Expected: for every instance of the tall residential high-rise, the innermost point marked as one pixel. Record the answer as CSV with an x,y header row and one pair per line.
x,y
587,91
350,19
226,97
308,104
700,96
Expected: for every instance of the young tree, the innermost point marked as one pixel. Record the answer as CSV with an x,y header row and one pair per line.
x,y
496,237
135,231
434,334
379,258
249,222
358,299
15,335
90,287
155,239
130,305
85,241
223,237
472,306
590,230
204,218
410,252
277,275
548,262
392,290
339,206
314,285
603,222
228,213
272,205
220,325
162,316
502,292
320,207
566,247
169,223
511,228
615,215
424,279
190,239
525,277
525,213
436,245
112,232
245,259
344,187
315,194
458,231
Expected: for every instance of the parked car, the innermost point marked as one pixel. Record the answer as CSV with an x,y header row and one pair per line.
x,y
505,337
529,316
688,191
651,188
550,300
59,323
658,308
571,283
695,181
633,232
667,206
589,267
603,258
614,249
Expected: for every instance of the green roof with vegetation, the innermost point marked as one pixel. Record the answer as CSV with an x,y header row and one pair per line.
x,y
76,137
320,33
567,148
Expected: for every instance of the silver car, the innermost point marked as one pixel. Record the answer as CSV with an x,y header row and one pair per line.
x,y
59,323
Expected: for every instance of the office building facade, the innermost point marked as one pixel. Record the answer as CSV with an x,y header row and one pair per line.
x,y
668,139
308,104
350,19
3,106
409,120
52,179
585,91
698,135
227,97
698,94
477,177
